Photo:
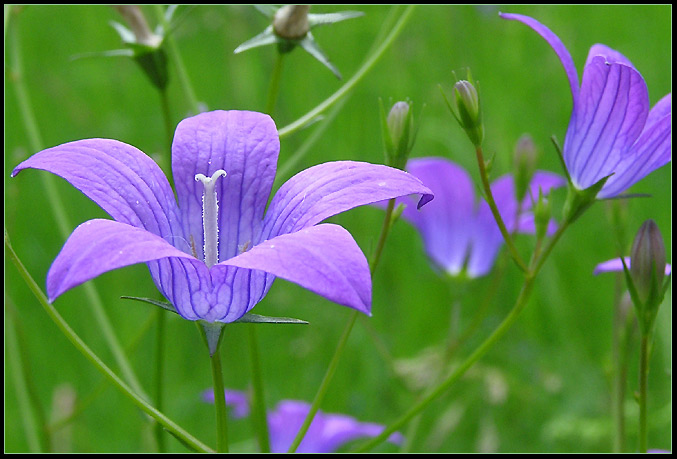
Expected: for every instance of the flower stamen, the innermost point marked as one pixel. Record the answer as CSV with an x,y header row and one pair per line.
x,y
210,212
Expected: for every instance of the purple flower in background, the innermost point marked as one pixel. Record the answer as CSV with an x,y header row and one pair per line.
x,y
326,433
215,255
457,232
612,130
616,264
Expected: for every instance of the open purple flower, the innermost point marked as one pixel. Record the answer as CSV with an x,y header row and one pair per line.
x,y
215,255
457,232
327,433
612,130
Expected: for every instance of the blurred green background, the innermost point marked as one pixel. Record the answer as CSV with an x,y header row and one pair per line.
x,y
546,386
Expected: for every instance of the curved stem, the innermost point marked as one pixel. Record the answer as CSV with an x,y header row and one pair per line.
x,y
503,327
59,213
366,67
324,386
258,399
494,210
459,372
97,362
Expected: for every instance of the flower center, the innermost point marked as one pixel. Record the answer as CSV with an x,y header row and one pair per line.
x,y
210,212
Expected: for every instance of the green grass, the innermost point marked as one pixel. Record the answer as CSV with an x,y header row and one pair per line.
x,y
544,388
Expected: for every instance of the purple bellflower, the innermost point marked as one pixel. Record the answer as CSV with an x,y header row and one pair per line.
x,y
612,130
327,433
457,233
215,255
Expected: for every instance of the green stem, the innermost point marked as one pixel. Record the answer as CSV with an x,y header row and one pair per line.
x,y
503,327
258,399
173,50
494,210
459,372
220,404
643,385
56,205
96,361
366,67
324,386
274,88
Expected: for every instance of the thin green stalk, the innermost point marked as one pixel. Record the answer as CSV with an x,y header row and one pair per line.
x,y
274,88
324,385
80,345
459,372
503,327
494,210
173,51
643,385
58,210
258,399
366,67
220,404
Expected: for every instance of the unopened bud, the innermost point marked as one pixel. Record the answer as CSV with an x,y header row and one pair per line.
x,y
524,165
291,22
542,212
647,267
137,23
467,110
399,133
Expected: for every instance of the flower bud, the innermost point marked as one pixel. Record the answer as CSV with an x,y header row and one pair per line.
x,y
524,165
291,22
542,212
467,110
647,266
399,133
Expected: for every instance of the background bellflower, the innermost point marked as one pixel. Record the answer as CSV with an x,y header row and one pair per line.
x,y
215,255
456,232
612,130
327,433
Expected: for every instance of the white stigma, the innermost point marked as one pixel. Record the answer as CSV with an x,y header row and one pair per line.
x,y
210,212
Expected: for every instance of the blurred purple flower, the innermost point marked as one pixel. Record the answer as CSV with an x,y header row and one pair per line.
x,y
617,265
326,434
611,130
220,270
457,232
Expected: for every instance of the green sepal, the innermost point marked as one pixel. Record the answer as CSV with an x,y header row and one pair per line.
x,y
311,46
154,65
163,304
578,201
250,318
213,331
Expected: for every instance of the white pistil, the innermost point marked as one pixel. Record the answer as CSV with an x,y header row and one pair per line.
x,y
210,212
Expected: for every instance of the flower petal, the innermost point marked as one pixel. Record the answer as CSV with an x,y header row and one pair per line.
x,y
246,146
327,189
610,55
652,150
324,259
617,265
444,223
612,110
556,44
121,179
98,246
